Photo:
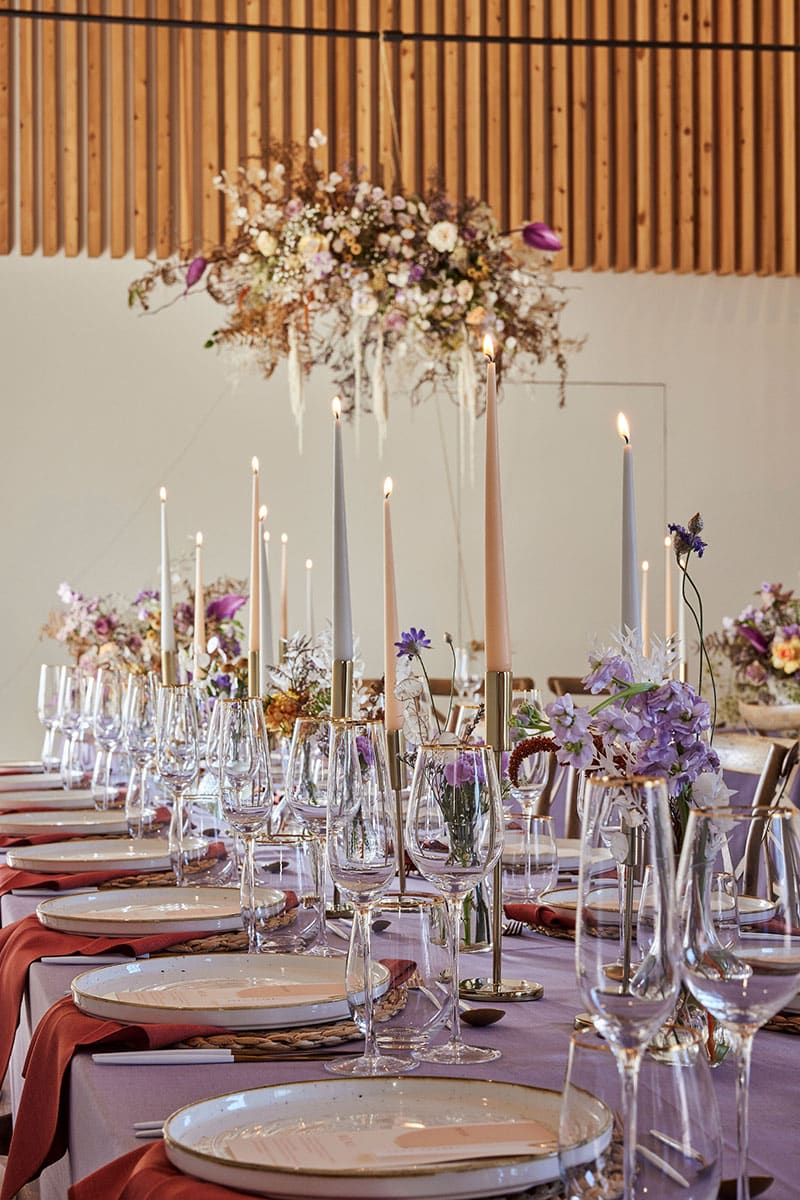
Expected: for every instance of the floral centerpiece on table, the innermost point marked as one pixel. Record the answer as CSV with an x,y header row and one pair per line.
x,y
300,686
96,629
328,267
759,651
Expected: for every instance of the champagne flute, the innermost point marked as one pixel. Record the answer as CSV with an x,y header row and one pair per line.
x,y
139,739
629,998
107,723
307,795
742,981
246,791
177,761
47,710
454,834
362,858
71,692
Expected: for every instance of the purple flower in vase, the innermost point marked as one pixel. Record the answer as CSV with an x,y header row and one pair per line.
x,y
225,608
195,272
756,639
687,541
463,769
416,273
365,752
606,671
222,683
412,643
102,627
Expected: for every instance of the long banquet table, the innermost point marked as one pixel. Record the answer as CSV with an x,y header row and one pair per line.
x,y
105,1101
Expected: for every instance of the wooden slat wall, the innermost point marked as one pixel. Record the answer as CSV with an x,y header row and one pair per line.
x,y
677,159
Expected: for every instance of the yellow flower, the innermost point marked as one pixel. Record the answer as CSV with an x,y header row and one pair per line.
x,y
786,655
310,244
476,315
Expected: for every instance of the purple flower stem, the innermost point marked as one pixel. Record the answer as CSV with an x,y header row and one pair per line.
x,y
698,620
430,693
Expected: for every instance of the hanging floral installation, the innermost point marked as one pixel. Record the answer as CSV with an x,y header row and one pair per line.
x,y
326,268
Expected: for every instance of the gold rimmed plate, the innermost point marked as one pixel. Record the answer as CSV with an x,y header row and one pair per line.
x,y
102,854
409,1138
88,822
30,801
143,911
231,991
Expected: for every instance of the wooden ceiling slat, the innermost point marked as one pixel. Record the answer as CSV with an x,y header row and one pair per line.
x,y
26,133
6,140
51,182
141,135
746,141
580,217
95,134
786,108
705,218
164,212
602,115
644,122
210,162
685,159
725,121
72,136
117,38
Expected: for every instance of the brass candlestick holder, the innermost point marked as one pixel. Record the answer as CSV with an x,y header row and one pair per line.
x,y
396,745
498,712
254,673
342,689
169,668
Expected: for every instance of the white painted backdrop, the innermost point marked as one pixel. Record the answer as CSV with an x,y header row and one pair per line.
x,y
100,407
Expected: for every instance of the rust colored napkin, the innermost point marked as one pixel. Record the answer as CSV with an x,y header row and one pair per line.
x,y
26,941
36,839
13,877
147,1174
40,1134
539,914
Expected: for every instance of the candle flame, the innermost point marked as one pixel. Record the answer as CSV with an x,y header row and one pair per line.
x,y
645,565
163,494
488,347
387,487
667,540
336,407
309,564
266,535
623,429
284,538
262,513
254,465
198,541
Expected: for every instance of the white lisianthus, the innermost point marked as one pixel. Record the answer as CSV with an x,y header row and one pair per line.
x,y
464,291
266,243
443,236
709,790
364,304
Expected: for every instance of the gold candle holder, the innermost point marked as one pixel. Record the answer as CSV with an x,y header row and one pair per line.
x,y
498,712
169,668
342,688
396,745
254,673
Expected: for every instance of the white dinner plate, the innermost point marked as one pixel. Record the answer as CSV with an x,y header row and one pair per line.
x,y
605,904
143,911
568,849
232,991
379,1139
85,822
21,767
59,801
112,854
29,781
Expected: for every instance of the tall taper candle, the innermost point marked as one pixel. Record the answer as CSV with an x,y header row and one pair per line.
x,y
167,627
683,650
630,615
669,586
645,609
342,612
265,611
285,587
497,632
254,632
393,709
199,640
309,598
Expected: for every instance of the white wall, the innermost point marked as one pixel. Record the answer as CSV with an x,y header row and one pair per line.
x,y
100,407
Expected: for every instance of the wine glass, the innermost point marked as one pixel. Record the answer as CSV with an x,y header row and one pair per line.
x,y
107,724
47,710
71,698
139,739
746,981
307,795
177,762
530,866
246,791
629,997
362,857
454,834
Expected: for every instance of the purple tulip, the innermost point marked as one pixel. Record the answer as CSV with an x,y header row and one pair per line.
x,y
225,607
540,236
195,272
754,638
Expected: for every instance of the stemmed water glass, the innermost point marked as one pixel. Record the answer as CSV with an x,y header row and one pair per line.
x,y
744,980
630,998
362,857
454,834
534,769
107,723
177,761
246,791
72,685
139,739
307,795
47,709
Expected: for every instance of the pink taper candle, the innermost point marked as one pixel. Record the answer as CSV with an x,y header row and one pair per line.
x,y
254,634
284,587
393,709
497,635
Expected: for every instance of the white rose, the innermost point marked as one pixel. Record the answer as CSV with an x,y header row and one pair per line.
x,y
266,243
443,236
